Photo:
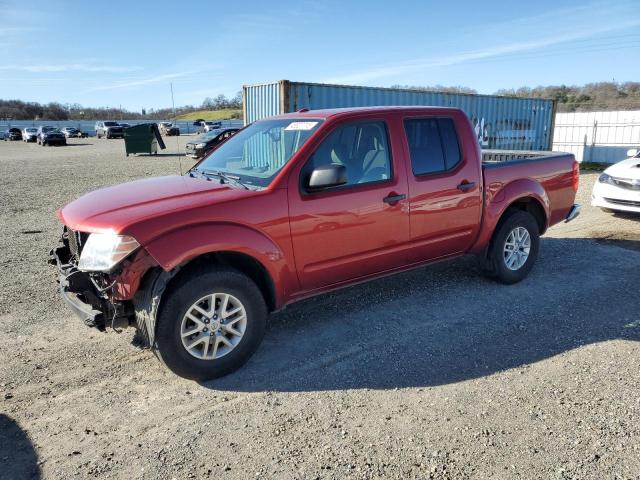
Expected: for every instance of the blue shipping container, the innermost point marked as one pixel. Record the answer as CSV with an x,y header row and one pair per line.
x,y
504,123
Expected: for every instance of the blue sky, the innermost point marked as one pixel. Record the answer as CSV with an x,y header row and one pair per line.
x,y
127,53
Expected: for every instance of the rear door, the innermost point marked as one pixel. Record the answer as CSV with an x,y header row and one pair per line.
x,y
360,228
445,187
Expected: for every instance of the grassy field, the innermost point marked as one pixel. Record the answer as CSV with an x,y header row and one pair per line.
x,y
211,114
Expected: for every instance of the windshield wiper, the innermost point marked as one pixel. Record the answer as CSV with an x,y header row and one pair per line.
x,y
224,177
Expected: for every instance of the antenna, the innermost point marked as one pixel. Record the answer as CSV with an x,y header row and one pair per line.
x,y
173,106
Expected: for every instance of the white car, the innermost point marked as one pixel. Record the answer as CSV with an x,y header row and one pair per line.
x,y
618,187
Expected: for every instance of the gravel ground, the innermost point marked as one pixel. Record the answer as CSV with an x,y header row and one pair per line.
x,y
435,373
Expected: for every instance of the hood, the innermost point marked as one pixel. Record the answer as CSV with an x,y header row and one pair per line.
x,y
629,168
121,208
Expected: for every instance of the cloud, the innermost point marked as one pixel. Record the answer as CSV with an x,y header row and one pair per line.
x,y
144,81
75,67
393,69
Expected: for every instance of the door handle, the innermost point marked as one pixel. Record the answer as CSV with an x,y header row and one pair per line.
x,y
466,186
393,199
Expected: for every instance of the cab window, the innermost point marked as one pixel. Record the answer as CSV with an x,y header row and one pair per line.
x,y
362,147
433,145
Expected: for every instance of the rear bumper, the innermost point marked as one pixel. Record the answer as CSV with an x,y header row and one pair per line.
x,y
573,213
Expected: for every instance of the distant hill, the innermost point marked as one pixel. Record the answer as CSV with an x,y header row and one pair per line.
x,y
223,114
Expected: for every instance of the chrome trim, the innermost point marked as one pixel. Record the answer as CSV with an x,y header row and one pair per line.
x,y
573,213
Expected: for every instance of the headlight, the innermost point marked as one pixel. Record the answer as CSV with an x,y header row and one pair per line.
x,y
103,251
201,145
604,178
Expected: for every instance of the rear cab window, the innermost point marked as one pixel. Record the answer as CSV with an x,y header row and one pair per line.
x,y
433,145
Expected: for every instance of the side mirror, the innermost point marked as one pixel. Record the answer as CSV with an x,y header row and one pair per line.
x,y
327,176
632,152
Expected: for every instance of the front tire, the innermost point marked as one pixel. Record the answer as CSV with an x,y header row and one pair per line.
x,y
514,247
210,324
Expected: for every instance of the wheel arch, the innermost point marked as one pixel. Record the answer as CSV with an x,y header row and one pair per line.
x,y
239,246
525,195
248,265
531,205
148,301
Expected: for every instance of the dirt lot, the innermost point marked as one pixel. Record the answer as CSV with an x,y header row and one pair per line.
x,y
434,373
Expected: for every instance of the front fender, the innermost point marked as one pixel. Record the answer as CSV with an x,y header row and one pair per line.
x,y
180,246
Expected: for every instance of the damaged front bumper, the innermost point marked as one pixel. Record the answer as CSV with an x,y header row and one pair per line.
x,y
84,296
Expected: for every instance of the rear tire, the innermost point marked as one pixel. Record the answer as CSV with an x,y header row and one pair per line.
x,y
188,299
514,247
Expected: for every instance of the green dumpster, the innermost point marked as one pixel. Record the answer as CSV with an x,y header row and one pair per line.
x,y
143,138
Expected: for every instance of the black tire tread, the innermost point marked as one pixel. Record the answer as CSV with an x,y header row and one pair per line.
x,y
199,282
494,267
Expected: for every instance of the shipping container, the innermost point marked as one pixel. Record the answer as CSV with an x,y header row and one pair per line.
x,y
504,123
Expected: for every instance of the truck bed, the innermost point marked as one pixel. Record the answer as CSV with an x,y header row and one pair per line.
x,y
551,170
492,157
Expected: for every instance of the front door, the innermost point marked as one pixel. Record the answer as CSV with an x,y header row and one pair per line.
x,y
359,228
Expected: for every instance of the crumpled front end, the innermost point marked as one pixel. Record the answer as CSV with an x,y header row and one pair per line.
x,y
92,296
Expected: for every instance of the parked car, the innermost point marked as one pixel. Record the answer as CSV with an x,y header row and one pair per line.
x,y
125,125
109,130
50,136
294,206
206,142
72,132
13,134
618,187
168,129
206,126
29,134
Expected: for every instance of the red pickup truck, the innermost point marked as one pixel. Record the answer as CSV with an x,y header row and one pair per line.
x,y
293,206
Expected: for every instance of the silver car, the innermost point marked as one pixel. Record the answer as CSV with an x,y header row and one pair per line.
x,y
29,134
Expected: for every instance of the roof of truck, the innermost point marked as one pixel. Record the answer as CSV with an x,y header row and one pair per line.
x,y
331,112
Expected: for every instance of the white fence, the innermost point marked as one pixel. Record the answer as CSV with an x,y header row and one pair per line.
x,y
597,136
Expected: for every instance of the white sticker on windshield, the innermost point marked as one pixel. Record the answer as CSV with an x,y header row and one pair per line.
x,y
301,125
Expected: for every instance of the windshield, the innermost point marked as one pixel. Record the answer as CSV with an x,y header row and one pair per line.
x,y
257,153
110,124
31,130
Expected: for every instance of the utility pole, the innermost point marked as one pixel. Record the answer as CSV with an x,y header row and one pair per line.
x,y
173,104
